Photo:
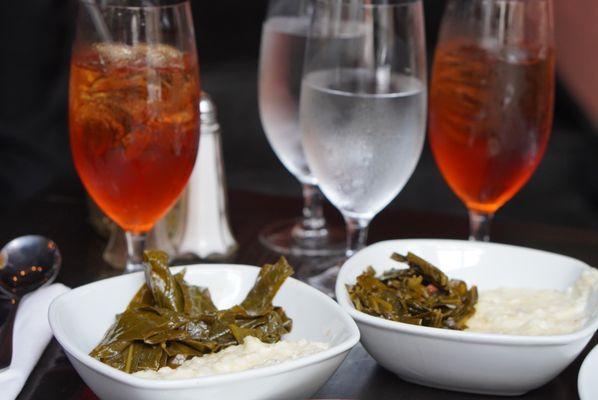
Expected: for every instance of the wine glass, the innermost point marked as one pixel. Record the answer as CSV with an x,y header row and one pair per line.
x,y
363,107
491,100
281,64
134,110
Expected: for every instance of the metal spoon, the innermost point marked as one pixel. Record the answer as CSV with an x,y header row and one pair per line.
x,y
26,264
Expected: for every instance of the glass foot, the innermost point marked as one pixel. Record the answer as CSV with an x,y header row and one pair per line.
x,y
288,238
325,281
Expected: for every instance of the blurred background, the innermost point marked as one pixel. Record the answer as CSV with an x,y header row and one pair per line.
x,y
35,40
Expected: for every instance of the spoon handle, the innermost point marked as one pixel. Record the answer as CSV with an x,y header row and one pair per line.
x,y
8,309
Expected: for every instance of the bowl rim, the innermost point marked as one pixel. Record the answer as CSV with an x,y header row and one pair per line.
x,y
210,380
452,335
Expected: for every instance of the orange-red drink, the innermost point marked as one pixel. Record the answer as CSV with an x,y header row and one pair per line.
x,y
490,118
134,126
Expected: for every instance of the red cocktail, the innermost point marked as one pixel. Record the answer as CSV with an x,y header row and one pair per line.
x,y
134,131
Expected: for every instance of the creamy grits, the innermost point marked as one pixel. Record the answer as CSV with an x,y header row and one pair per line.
x,y
251,354
520,311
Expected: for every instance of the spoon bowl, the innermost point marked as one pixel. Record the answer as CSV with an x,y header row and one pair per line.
x,y
28,263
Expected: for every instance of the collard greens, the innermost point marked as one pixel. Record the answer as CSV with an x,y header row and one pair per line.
x,y
419,295
169,321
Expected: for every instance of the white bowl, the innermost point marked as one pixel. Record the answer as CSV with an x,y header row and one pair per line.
x,y
587,384
467,361
80,318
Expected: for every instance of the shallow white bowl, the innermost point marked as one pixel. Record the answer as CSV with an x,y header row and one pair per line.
x,y
587,384
467,361
80,318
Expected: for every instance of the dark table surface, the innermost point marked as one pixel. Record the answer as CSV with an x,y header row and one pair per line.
x,y
62,215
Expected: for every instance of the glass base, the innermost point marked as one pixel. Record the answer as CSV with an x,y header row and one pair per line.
x,y
283,237
132,267
325,281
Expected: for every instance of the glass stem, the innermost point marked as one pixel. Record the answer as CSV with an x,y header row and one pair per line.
x,y
479,225
313,224
136,244
357,233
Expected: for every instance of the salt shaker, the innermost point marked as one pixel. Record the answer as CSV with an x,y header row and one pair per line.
x,y
206,232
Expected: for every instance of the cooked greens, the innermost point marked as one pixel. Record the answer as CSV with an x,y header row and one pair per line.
x,y
420,294
168,320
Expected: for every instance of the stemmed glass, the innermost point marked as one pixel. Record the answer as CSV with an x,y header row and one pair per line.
x,y
284,36
363,107
491,100
134,110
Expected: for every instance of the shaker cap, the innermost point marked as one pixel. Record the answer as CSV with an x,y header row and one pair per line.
x,y
207,109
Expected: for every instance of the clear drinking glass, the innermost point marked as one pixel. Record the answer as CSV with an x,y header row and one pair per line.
x,y
363,107
282,53
134,110
491,100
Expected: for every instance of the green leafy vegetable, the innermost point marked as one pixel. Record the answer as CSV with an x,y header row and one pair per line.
x,y
272,276
168,320
164,287
420,294
197,301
